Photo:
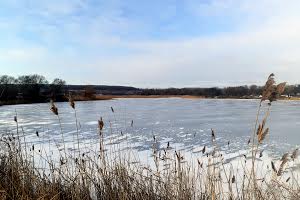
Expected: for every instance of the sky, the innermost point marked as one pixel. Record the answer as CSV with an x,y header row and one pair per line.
x,y
157,43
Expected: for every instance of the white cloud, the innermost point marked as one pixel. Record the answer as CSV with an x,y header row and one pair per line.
x,y
265,39
22,54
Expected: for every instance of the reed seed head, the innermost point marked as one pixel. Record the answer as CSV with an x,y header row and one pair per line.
x,y
284,160
203,150
271,91
262,135
71,101
233,179
273,167
284,157
53,108
295,154
100,124
213,135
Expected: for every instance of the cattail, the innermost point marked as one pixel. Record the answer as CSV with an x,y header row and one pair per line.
x,y
15,119
249,141
100,124
37,133
53,108
131,123
112,109
168,145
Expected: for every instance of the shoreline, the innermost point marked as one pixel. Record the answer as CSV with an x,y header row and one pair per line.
x,y
113,97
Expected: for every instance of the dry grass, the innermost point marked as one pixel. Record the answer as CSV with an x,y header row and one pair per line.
x,y
109,173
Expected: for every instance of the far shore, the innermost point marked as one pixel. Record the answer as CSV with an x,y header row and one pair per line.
x,y
100,97
112,97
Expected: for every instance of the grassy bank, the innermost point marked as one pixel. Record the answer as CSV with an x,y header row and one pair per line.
x,y
112,170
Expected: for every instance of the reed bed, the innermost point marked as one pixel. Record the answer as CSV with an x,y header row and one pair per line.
x,y
110,172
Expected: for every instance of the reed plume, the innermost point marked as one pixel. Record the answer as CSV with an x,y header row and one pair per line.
x,y
100,124
53,108
284,160
71,101
295,154
271,91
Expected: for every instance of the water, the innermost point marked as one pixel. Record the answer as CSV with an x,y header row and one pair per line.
x,y
185,123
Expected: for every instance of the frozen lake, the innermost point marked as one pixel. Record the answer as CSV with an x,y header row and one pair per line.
x,y
184,123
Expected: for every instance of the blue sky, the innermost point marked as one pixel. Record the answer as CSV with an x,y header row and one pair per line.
x,y
179,43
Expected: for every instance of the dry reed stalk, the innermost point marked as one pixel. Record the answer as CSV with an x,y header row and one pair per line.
x,y
54,110
72,104
271,92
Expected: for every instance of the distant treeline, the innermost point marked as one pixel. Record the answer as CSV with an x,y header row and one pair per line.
x,y
226,92
36,88
30,89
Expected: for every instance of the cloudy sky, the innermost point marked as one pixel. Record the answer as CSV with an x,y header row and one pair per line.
x,y
157,43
